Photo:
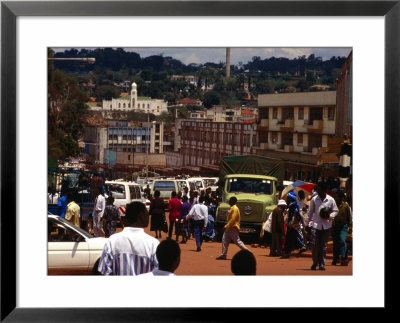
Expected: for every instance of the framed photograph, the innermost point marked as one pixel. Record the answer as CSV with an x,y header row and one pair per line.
x,y
29,28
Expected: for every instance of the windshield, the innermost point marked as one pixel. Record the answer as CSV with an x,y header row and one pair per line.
x,y
164,186
249,185
117,191
210,182
182,185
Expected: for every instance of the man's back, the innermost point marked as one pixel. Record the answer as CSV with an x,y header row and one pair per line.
x,y
130,252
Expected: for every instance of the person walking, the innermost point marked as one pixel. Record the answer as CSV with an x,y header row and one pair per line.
x,y
277,229
183,224
321,212
232,229
157,212
111,218
174,206
199,214
340,226
130,252
294,238
98,212
303,206
73,212
147,192
168,256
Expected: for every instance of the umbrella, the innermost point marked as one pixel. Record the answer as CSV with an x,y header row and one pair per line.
x,y
297,186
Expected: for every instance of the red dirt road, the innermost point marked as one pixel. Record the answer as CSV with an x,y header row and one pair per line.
x,y
204,262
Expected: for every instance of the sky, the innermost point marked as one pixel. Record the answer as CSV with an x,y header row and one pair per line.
x,y
238,54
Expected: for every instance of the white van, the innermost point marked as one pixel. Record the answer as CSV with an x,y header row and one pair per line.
x,y
182,183
196,184
125,193
166,187
211,182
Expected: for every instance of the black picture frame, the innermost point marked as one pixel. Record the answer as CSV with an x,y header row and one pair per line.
x,y
10,10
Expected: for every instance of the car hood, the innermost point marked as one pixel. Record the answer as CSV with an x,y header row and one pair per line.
x,y
97,243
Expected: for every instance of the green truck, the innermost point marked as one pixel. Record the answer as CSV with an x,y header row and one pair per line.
x,y
253,180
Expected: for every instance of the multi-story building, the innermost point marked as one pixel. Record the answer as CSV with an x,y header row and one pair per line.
x,y
204,142
344,105
135,103
125,143
298,127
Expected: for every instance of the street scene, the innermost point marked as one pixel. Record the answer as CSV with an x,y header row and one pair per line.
x,y
218,161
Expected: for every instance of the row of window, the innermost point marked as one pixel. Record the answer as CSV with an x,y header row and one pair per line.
x,y
214,125
127,137
289,113
124,105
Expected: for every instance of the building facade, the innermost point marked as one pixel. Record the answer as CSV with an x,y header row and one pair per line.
x,y
298,127
344,101
204,142
119,142
135,103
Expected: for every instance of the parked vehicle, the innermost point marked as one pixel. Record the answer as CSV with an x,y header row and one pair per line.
x,y
125,193
196,184
211,182
182,183
166,187
257,197
71,250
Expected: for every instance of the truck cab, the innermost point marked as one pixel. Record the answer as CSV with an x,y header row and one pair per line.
x,y
257,197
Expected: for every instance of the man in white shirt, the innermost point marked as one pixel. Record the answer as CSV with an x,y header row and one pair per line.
x,y
131,251
98,211
321,211
168,256
199,214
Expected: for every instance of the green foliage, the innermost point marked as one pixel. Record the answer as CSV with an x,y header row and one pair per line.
x,y
68,146
211,98
153,75
106,92
67,109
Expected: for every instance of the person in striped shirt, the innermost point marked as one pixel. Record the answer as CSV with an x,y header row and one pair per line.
x,y
131,251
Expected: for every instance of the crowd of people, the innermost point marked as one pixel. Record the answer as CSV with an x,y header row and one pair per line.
x,y
299,222
134,252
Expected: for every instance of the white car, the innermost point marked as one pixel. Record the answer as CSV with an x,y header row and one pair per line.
x,y
71,250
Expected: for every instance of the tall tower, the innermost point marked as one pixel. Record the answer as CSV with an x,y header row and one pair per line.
x,y
134,96
228,62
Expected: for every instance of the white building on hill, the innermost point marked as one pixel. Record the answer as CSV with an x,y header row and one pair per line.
x,y
135,103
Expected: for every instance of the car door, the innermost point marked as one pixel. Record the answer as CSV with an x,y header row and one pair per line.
x,y
68,251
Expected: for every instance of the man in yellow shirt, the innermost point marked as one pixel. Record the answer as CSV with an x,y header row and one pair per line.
x,y
72,214
232,228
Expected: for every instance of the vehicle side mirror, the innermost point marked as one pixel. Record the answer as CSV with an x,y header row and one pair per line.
x,y
78,238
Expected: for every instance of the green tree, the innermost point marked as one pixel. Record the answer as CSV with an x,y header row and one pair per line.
x,y
66,113
211,98
106,92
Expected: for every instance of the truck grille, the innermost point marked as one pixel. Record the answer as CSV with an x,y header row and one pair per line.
x,y
250,210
